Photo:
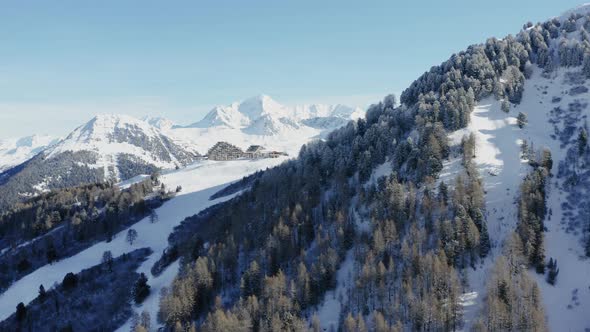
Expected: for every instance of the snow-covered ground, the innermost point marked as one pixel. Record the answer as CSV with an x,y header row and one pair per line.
x,y
18,150
499,164
567,304
330,308
199,181
498,159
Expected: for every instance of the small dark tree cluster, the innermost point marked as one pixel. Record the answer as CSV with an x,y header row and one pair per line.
x,y
141,289
553,271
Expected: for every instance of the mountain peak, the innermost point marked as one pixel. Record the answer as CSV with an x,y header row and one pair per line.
x,y
262,111
255,107
102,125
159,122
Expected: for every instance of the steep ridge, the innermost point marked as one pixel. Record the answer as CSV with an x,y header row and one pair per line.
x,y
107,148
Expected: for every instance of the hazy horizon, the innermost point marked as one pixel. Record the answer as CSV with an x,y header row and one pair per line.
x,y
65,62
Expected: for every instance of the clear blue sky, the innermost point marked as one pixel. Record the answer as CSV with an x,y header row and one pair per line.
x,y
63,61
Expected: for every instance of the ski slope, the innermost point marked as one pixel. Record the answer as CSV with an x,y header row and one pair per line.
x,y
199,181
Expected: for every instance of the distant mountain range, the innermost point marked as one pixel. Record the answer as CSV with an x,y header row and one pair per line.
x,y
115,147
16,151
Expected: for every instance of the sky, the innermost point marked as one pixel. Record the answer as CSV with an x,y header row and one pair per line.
x,y
61,62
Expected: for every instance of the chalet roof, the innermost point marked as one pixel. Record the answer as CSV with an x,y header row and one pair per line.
x,y
224,147
255,148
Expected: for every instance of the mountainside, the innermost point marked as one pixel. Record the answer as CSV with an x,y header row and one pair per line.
x,y
467,221
107,148
116,139
463,207
16,151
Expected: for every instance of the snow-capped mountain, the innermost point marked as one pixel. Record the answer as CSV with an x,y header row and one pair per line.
x,y
261,115
159,122
117,147
116,139
109,147
263,121
18,150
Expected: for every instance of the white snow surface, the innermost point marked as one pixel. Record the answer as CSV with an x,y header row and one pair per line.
x,y
567,304
15,151
499,164
261,120
199,181
498,159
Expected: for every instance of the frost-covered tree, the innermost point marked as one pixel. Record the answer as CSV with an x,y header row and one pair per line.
x,y
521,120
505,106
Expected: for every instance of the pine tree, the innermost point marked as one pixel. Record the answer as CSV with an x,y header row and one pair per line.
x,y
141,289
484,240
582,141
524,149
42,293
70,281
547,160
131,236
21,312
505,106
553,271
521,120
251,280
107,259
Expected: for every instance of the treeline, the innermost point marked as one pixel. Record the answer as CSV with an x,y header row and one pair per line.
x,y
63,222
513,301
409,271
532,209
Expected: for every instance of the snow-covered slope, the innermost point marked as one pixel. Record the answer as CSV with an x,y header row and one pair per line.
x,y
116,137
16,151
159,122
199,181
555,114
